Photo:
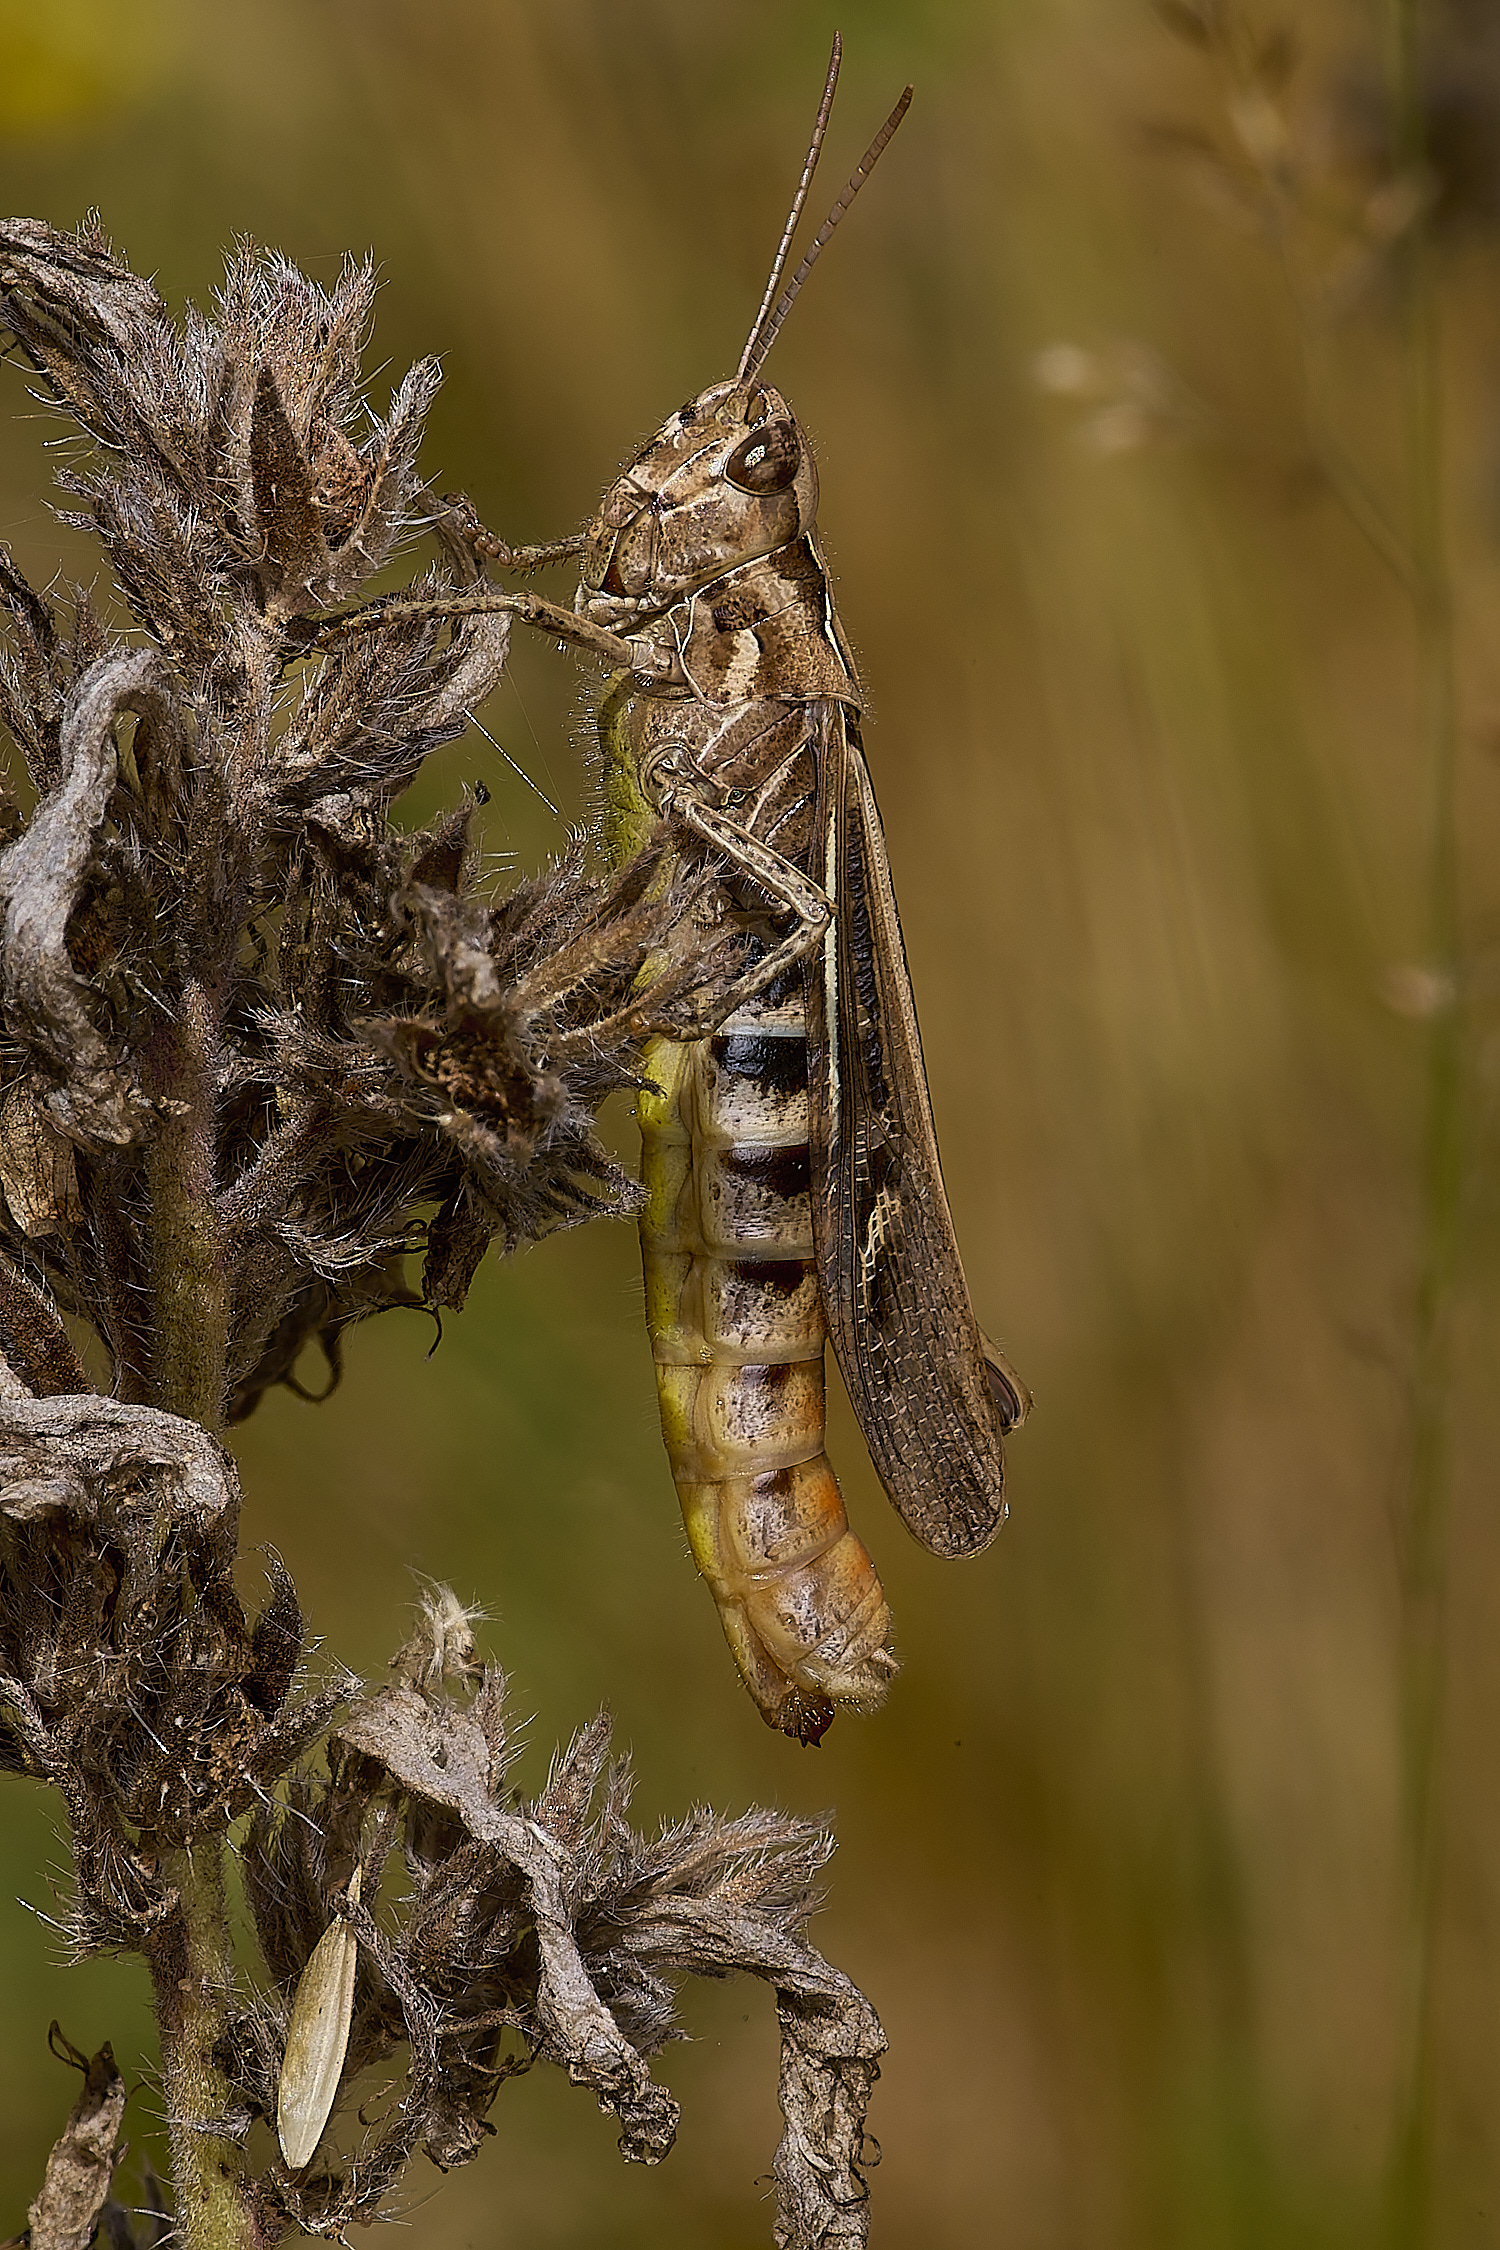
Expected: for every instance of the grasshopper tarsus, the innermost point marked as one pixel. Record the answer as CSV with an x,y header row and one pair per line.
x,y
463,518
520,561
541,557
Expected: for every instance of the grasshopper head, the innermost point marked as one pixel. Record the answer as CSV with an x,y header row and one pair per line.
x,y
726,478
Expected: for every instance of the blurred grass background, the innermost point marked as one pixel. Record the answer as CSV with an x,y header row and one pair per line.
x,y
1125,1863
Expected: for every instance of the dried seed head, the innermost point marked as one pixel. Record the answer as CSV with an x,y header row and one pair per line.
x,y
442,1646
390,1041
130,1676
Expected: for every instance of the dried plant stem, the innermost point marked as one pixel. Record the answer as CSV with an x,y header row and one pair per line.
x,y
1341,475
1423,1577
192,1965
189,1282
192,1982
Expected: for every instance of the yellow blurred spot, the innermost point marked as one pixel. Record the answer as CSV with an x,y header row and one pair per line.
x,y
63,63
1409,988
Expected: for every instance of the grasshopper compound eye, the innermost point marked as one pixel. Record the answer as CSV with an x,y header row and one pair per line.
x,y
767,460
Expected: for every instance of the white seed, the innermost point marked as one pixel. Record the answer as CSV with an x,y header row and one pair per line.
x,y
317,2039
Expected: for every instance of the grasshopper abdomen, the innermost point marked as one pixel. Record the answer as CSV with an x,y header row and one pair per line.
x,y
735,1314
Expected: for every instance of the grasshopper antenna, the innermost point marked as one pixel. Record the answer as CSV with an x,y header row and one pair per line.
x,y
765,331
810,165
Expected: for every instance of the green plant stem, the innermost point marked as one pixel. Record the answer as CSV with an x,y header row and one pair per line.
x,y
1424,1556
191,1957
191,1974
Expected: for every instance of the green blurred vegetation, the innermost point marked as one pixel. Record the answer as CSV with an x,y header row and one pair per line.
x,y
1126,1864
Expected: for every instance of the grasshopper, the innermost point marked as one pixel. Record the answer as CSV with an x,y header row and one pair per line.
x,y
793,1188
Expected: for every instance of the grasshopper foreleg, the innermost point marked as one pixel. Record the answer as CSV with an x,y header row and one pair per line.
x,y
461,517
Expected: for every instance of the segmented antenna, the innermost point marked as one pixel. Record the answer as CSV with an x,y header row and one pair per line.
x,y
810,165
763,335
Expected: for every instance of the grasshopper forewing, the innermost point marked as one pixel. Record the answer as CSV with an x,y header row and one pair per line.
x,y
789,1157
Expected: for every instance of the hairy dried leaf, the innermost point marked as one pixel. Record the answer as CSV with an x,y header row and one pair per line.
x,y
38,1169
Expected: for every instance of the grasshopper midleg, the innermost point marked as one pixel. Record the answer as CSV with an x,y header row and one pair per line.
x,y
793,1187
744,853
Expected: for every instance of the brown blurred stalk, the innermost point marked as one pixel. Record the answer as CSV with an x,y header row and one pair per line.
x,y
1425,1525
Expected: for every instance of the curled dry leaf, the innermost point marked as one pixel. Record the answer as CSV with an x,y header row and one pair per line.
x,y
555,1916
82,2164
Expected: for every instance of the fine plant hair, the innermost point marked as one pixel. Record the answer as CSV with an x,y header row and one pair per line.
x,y
269,1066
